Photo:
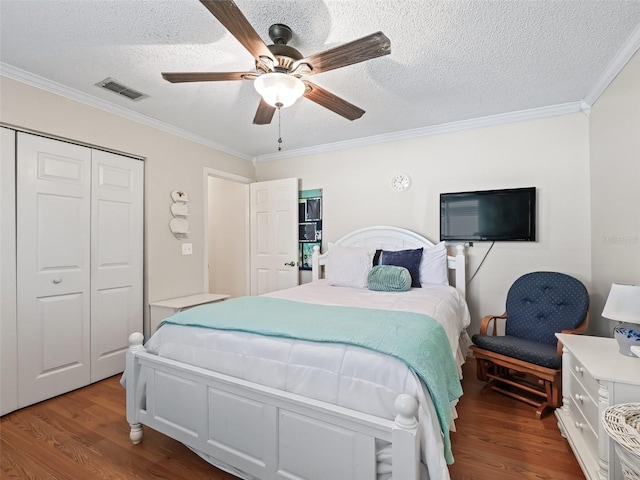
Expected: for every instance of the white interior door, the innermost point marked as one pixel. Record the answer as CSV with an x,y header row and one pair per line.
x,y
116,259
53,273
274,235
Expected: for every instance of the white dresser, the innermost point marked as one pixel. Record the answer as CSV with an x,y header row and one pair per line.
x,y
162,309
594,376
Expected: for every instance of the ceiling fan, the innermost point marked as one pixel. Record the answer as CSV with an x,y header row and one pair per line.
x,y
281,71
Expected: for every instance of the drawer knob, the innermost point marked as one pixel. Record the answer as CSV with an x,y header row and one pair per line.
x,y
579,398
579,369
579,425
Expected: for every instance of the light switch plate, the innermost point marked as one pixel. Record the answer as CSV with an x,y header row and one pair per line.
x,y
187,248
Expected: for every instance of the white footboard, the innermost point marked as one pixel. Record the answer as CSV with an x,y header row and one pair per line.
x,y
267,433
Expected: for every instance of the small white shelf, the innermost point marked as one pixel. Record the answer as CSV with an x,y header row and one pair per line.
x,y
179,209
179,196
179,225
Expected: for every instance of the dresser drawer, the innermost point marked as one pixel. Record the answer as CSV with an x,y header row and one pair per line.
x,y
583,429
586,379
584,400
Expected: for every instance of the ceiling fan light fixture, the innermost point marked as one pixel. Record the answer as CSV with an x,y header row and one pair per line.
x,y
279,89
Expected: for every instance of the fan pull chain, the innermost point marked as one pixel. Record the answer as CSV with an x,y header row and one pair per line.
x,y
279,134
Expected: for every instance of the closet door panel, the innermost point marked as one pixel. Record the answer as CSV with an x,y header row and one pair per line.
x,y
8,321
53,273
60,226
117,260
57,314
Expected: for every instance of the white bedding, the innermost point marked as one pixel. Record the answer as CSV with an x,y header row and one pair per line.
x,y
344,375
441,302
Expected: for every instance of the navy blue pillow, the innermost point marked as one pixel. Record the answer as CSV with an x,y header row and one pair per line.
x,y
409,259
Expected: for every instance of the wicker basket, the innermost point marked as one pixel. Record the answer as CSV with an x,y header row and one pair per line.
x,y
622,423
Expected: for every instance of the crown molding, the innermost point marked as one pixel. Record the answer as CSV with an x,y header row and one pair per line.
x,y
73,94
615,66
489,121
623,56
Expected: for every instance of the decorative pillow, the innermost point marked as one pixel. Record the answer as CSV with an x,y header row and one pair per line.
x,y
389,278
376,257
433,267
409,259
348,266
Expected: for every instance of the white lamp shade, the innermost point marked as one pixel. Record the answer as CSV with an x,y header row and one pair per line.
x,y
623,303
279,89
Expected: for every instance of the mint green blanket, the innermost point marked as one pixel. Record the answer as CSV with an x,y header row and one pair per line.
x,y
416,339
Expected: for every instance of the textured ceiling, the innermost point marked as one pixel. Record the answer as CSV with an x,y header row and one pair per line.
x,y
451,60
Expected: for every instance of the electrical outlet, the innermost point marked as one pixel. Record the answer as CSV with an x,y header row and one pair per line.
x,y
187,248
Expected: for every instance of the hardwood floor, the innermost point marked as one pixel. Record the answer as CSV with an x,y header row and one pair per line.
x,y
498,438
83,435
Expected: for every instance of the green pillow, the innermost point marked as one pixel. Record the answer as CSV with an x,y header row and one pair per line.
x,y
389,278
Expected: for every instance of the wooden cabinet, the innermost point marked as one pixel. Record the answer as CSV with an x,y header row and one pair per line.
x,y
594,376
162,309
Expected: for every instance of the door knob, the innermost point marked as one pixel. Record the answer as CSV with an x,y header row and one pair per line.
x,y
57,280
290,264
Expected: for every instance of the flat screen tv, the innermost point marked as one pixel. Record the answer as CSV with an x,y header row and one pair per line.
x,y
489,215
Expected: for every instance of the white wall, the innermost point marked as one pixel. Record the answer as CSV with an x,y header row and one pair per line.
x,y
551,154
171,163
615,188
228,222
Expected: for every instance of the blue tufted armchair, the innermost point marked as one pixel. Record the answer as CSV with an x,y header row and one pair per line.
x,y
525,363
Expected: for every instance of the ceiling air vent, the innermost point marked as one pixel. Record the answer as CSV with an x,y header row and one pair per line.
x,y
117,87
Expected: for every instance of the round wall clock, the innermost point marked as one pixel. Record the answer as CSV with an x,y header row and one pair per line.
x,y
401,182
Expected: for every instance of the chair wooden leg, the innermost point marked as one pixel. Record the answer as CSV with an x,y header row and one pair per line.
x,y
481,369
543,410
555,397
548,388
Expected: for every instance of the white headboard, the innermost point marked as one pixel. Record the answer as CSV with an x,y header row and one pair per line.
x,y
393,238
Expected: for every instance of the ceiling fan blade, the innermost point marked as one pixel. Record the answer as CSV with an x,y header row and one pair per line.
x,y
365,48
264,114
180,77
229,15
332,102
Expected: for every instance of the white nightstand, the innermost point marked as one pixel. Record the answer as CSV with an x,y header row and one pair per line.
x,y
162,309
594,376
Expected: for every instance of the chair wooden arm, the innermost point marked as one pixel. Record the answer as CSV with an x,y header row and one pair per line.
x,y
578,331
486,320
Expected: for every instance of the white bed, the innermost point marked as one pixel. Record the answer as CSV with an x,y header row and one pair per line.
x,y
270,407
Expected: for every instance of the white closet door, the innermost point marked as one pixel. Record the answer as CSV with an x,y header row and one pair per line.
x,y
53,273
274,235
8,323
116,260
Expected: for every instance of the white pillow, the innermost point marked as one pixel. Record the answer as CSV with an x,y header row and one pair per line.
x,y
433,267
348,266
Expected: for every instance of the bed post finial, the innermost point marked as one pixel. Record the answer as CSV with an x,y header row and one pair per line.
x,y
135,339
407,407
405,440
